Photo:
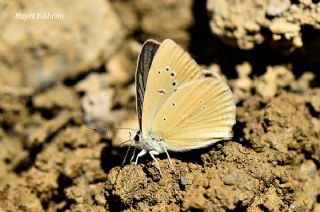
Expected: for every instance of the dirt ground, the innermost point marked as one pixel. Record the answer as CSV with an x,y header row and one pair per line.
x,y
59,76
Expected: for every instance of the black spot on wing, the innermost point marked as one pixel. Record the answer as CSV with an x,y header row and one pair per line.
x,y
174,83
162,91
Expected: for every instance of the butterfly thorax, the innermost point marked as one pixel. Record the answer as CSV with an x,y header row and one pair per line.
x,y
149,142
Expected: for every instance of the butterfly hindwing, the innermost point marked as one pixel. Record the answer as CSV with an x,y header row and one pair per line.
x,y
171,68
198,114
149,49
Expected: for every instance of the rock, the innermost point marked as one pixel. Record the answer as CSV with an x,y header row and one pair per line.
x,y
315,100
60,96
243,84
97,108
173,21
243,23
37,135
239,24
37,52
92,83
275,77
276,8
130,121
19,198
122,65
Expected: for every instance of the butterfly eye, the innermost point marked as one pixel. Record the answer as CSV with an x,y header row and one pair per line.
x,y
136,137
167,69
164,119
173,74
173,104
159,72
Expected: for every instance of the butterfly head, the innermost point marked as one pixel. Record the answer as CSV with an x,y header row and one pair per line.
x,y
136,138
148,143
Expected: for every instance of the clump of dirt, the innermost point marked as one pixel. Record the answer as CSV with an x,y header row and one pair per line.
x,y
56,85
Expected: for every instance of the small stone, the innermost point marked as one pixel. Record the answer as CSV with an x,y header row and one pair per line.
x,y
186,180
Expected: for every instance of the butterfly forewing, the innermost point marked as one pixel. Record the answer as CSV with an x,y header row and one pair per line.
x,y
200,113
149,49
171,68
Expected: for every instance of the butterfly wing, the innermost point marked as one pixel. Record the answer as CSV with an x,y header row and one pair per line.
x,y
199,113
149,49
171,68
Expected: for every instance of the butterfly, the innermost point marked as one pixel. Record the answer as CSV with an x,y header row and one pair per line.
x,y
179,107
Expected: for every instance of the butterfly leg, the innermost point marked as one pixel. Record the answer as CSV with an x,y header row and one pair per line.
x,y
152,154
170,162
133,154
143,152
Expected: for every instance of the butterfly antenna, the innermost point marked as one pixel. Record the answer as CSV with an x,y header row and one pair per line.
x,y
105,130
124,142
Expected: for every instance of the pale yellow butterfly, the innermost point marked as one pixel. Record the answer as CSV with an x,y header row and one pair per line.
x,y
179,108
